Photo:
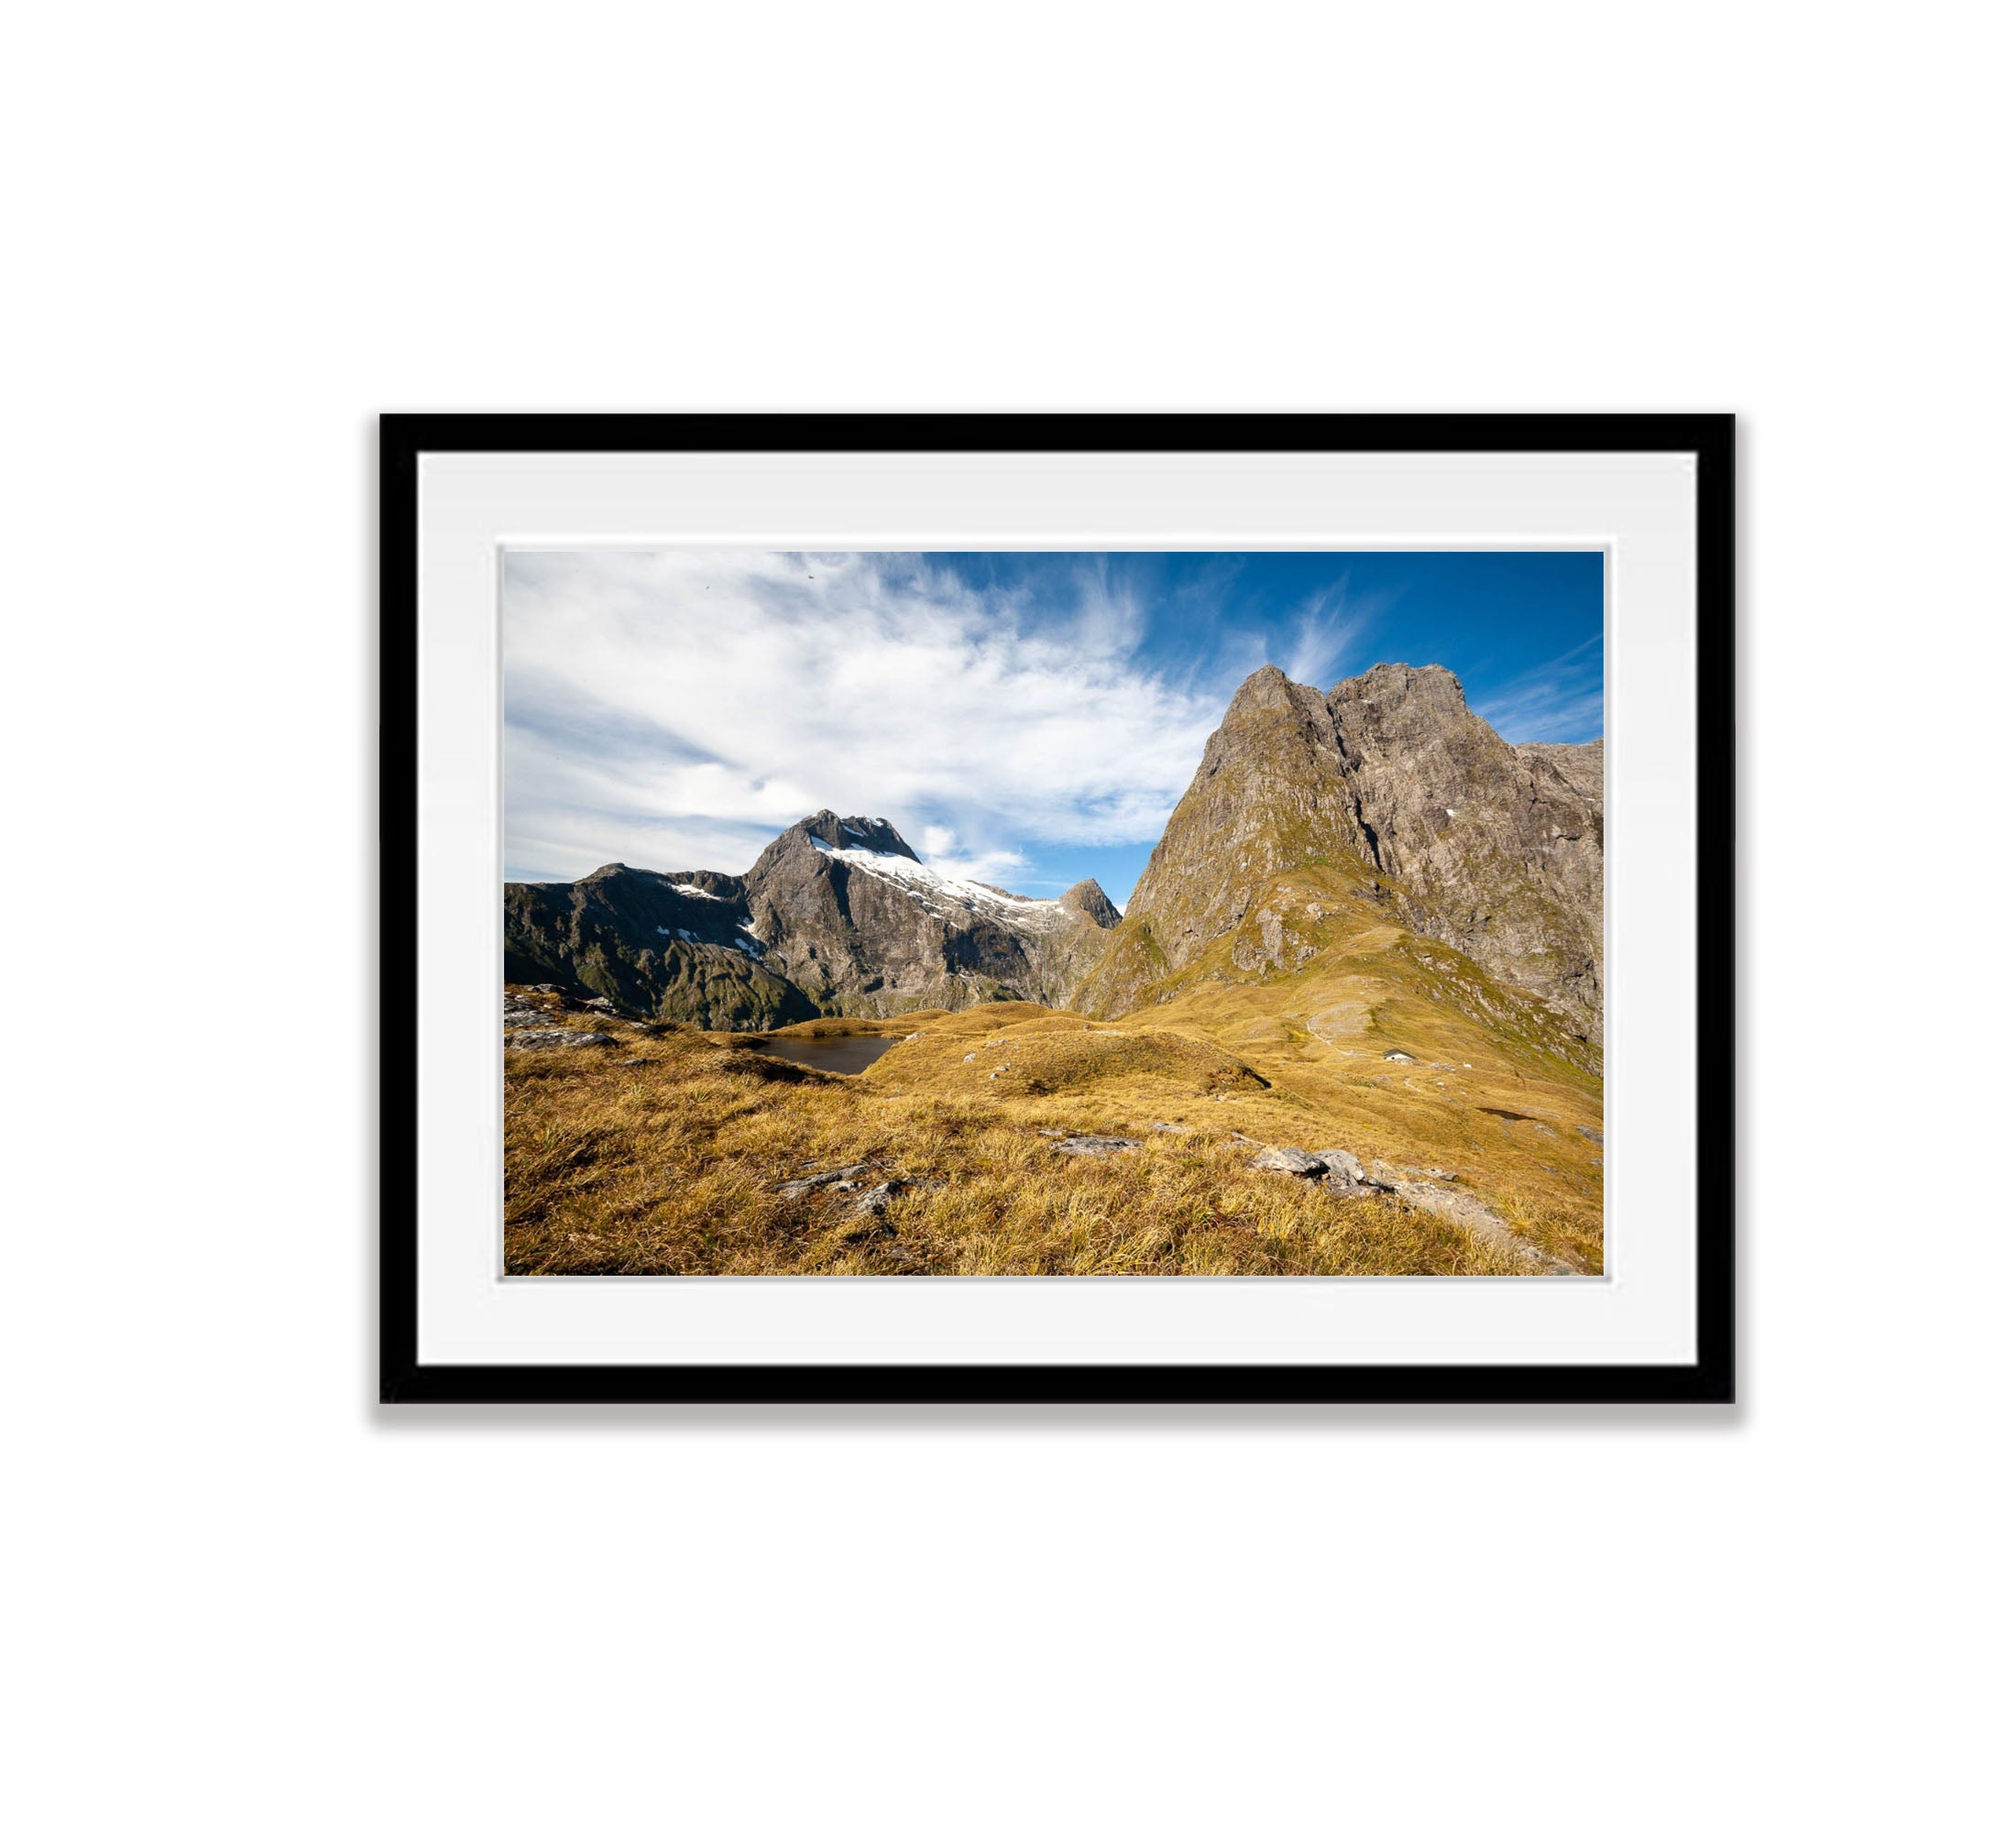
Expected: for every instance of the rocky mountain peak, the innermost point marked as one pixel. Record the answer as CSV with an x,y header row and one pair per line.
x,y
837,916
871,833
1265,687
1388,683
1086,895
1391,778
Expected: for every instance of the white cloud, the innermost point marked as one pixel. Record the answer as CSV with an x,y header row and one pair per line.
x,y
676,708
996,865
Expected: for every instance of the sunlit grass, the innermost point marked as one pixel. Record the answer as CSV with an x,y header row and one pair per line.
x,y
670,1164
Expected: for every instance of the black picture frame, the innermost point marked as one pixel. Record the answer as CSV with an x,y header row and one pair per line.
x,y
1710,438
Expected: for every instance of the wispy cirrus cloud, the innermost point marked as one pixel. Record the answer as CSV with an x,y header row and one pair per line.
x,y
1323,634
1559,700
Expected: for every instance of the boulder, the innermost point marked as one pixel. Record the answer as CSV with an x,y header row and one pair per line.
x,y
1339,1169
1343,1164
1094,1144
1290,1161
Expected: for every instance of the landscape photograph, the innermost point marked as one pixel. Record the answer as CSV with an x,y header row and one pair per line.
x,y
1051,914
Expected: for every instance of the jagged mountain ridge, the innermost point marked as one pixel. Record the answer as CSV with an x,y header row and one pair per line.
x,y
837,917
1411,804
1386,795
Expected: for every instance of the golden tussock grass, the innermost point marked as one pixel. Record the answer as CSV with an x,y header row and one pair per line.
x,y
670,1163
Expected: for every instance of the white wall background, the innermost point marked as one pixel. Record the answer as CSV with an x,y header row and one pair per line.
x,y
241,1598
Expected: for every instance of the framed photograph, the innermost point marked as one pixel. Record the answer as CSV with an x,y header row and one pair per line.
x,y
1058,907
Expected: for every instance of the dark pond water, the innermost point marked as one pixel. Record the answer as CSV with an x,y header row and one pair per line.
x,y
837,1056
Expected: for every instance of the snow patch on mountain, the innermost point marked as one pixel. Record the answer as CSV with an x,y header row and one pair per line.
x,y
934,890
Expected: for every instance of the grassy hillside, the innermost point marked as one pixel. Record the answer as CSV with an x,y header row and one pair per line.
x,y
663,1154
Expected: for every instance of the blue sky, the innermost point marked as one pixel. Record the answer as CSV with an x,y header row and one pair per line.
x,y
1028,718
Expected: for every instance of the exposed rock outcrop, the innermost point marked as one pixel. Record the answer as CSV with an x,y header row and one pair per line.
x,y
558,1039
1338,1169
1094,1144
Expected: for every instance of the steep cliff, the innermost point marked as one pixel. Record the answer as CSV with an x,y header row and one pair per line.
x,y
1402,803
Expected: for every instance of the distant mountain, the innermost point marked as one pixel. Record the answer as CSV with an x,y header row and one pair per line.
x,y
1087,897
837,917
1405,804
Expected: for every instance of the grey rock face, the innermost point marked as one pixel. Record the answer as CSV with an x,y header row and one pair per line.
x,y
863,926
1579,766
1093,1144
1503,846
837,918
1087,897
1493,848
